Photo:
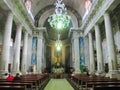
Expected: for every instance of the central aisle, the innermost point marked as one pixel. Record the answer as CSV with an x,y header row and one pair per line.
x,y
58,84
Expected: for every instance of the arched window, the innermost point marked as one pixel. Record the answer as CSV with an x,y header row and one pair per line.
x,y
88,5
28,5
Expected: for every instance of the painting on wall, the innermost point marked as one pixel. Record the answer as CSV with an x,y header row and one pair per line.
x,y
34,51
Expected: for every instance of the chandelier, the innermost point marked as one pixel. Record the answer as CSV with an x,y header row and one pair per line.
x,y
59,20
58,43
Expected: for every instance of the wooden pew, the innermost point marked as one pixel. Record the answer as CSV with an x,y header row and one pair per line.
x,y
98,82
76,79
33,78
93,81
36,80
27,85
113,87
12,88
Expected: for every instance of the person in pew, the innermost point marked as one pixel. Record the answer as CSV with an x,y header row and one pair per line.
x,y
85,71
10,77
17,77
5,75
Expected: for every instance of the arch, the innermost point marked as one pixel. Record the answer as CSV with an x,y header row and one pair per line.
x,y
48,10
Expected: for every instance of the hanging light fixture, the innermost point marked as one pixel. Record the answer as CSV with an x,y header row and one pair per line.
x,y
59,20
58,43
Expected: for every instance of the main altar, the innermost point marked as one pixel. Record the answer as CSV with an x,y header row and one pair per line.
x,y
58,72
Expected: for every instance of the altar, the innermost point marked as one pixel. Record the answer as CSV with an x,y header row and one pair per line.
x,y
58,72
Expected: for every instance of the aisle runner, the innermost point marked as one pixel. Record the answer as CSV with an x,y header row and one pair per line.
x,y
58,84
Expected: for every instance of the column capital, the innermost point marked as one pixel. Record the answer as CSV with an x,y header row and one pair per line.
x,y
73,30
90,35
75,35
9,13
106,14
38,32
96,25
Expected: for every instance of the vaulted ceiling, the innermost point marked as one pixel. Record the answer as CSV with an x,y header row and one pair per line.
x,y
77,5
42,9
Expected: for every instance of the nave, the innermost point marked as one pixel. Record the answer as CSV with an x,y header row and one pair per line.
x,y
32,46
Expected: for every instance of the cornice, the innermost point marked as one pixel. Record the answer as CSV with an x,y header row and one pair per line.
x,y
77,30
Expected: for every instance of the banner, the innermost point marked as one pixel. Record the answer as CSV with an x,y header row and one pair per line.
x,y
82,56
34,51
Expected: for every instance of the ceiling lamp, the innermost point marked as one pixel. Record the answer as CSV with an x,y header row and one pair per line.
x,y
59,20
58,43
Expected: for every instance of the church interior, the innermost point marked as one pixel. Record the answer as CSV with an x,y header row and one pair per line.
x,y
60,44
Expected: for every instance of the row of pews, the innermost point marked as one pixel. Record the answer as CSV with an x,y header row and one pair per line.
x,y
93,82
27,82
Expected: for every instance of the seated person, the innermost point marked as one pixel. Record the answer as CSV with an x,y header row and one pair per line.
x,y
85,71
10,78
17,77
5,76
